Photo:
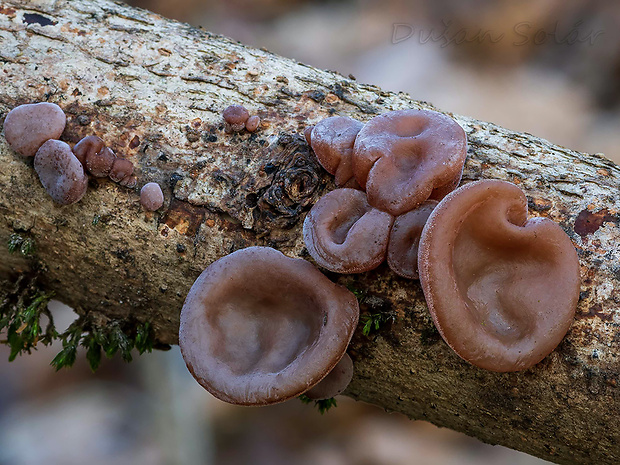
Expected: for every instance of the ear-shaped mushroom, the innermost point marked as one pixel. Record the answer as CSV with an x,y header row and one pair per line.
x,y
335,382
402,252
259,328
405,157
60,172
27,127
332,140
346,235
502,289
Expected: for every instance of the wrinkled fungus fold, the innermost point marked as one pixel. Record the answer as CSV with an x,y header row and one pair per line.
x,y
405,157
344,234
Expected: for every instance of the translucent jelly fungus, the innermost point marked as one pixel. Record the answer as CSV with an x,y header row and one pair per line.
x,y
335,382
27,127
151,196
402,252
332,140
502,289
405,157
343,233
60,172
259,328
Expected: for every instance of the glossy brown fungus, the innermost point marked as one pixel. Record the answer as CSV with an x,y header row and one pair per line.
x,y
151,196
252,123
259,328
344,234
121,168
236,116
402,252
308,134
129,181
332,140
60,172
89,145
501,289
27,127
100,164
335,382
405,157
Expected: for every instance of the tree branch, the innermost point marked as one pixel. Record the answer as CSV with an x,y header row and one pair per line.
x,y
154,89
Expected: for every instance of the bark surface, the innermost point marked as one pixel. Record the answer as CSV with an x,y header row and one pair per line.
x,y
154,90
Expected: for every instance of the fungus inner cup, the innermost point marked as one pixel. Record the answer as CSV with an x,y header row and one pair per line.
x,y
259,328
501,289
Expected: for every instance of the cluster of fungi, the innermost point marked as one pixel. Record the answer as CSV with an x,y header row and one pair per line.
x,y
34,130
259,328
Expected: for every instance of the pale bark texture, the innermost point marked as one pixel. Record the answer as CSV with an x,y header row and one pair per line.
x,y
154,90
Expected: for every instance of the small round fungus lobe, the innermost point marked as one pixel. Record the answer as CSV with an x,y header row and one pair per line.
x,y
402,252
501,289
332,140
129,181
27,127
259,328
405,157
335,382
60,172
89,145
151,196
121,168
344,234
99,164
236,115
252,123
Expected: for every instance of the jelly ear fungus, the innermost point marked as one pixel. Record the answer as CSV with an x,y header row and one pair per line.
x,y
259,328
405,157
344,234
501,289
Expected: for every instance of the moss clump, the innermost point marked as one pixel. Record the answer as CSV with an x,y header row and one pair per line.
x,y
322,405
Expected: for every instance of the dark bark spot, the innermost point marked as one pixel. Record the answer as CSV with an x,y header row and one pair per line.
x,y
35,18
184,217
588,222
135,142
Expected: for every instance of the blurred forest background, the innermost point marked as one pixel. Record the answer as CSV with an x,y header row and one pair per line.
x,y
547,67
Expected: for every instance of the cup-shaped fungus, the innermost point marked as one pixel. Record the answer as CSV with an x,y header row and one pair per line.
x,y
151,196
332,140
27,127
60,172
501,289
344,234
335,382
405,157
402,252
259,328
